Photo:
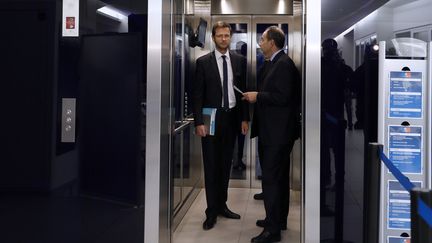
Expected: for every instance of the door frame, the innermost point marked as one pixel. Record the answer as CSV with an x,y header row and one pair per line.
x,y
311,121
156,219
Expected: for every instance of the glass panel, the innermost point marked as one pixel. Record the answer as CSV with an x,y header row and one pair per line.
x,y
337,122
406,47
177,73
192,162
239,38
344,161
422,35
189,70
187,161
239,42
176,161
403,34
177,107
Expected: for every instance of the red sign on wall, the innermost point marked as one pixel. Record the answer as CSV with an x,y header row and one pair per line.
x,y
70,23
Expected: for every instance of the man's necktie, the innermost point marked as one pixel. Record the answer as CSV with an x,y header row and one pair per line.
x,y
225,84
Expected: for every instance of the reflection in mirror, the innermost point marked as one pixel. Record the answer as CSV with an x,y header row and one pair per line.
x,y
406,47
239,40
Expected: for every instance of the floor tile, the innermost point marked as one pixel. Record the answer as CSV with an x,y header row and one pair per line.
x,y
240,200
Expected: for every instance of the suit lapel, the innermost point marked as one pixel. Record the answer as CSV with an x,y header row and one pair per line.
x,y
276,58
234,67
215,69
270,68
263,74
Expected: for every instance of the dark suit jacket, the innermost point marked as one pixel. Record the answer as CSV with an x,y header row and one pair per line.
x,y
207,87
278,101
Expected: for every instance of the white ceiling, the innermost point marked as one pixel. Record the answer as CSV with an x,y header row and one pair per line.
x,y
339,15
397,3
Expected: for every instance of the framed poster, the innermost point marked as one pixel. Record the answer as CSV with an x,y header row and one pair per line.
x,y
406,95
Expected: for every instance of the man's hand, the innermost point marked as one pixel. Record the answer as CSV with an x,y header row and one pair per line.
x,y
244,127
201,130
250,97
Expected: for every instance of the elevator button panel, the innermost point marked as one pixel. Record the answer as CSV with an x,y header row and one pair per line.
x,y
68,120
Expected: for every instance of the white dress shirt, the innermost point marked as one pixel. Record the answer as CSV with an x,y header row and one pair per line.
x,y
219,61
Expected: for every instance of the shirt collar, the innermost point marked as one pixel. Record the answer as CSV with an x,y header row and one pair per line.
x,y
274,54
219,55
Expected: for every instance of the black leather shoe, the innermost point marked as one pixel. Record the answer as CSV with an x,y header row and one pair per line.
x,y
266,237
241,166
209,223
262,223
229,214
259,196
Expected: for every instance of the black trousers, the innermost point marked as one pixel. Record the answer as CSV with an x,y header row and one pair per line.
x,y
217,157
275,165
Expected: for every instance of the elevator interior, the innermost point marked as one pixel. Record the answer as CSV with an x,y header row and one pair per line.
x,y
247,24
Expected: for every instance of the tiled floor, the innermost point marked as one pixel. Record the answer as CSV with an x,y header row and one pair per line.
x,y
241,201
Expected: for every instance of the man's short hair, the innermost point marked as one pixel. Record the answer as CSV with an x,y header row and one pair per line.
x,y
277,35
221,24
329,44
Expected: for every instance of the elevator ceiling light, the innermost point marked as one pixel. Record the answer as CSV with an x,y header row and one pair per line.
x,y
281,7
111,13
225,6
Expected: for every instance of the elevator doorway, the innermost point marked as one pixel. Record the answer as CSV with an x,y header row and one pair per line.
x,y
245,183
246,33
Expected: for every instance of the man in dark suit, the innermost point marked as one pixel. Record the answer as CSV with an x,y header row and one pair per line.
x,y
275,124
216,75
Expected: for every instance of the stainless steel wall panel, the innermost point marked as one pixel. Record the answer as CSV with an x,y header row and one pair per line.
x,y
260,7
311,124
157,218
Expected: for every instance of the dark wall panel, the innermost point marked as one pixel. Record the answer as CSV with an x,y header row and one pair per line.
x,y
27,84
110,111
